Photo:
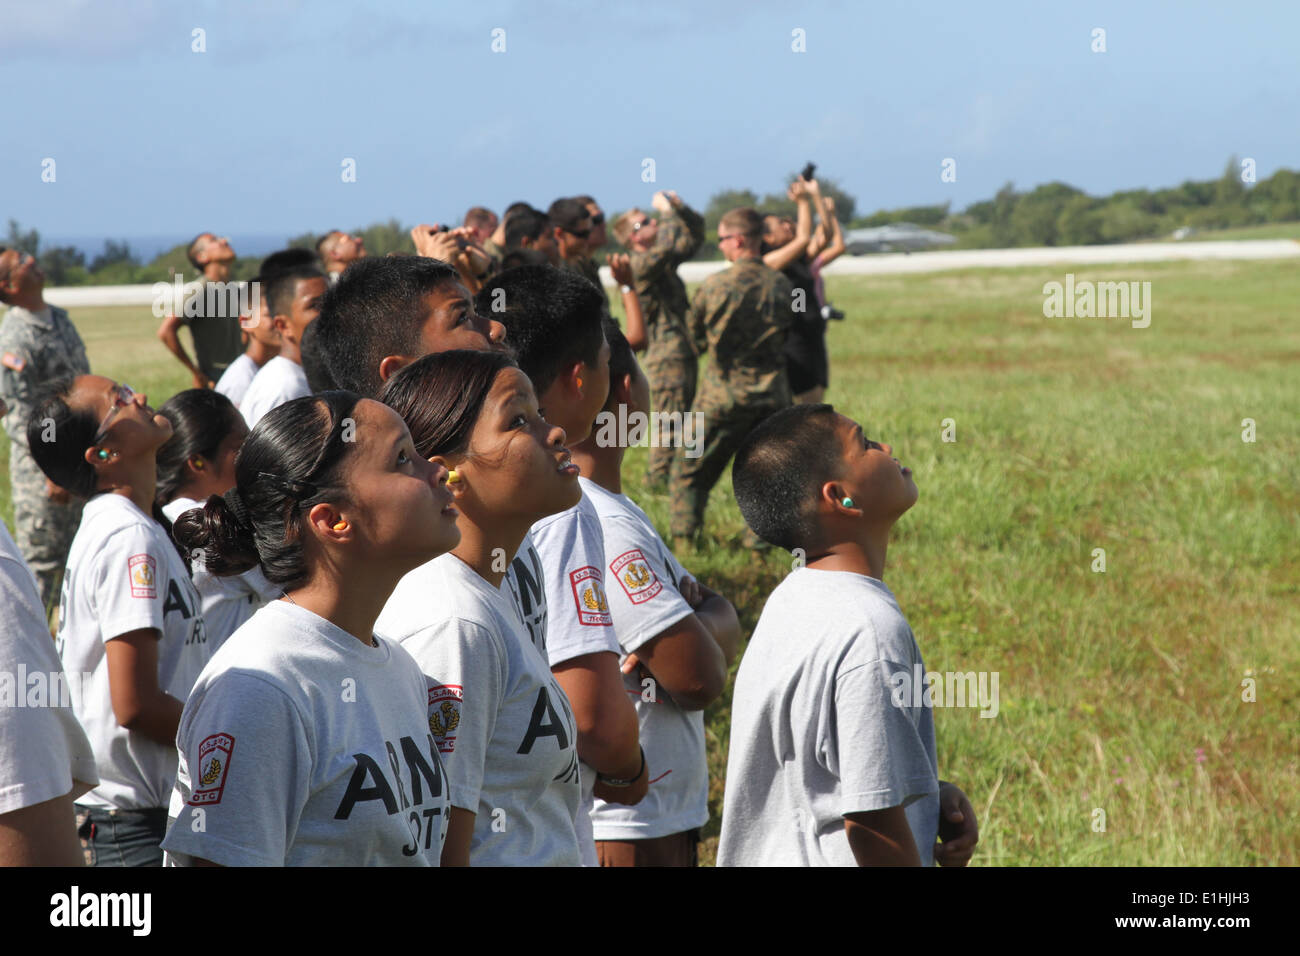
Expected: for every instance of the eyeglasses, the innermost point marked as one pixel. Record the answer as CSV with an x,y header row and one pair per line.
x,y
734,235
638,226
598,219
123,396
580,233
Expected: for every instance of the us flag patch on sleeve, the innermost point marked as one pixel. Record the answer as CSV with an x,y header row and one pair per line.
x,y
589,596
637,578
141,568
14,362
208,779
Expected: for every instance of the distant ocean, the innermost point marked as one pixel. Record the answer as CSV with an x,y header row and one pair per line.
x,y
147,248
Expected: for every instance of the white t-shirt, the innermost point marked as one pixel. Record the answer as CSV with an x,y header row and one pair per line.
x,y
278,381
525,584
644,599
226,602
44,752
125,574
235,380
503,724
571,553
310,749
815,730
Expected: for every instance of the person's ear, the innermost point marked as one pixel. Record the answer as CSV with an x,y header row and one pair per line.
x,y
281,323
623,389
390,365
456,481
329,524
96,455
196,465
838,499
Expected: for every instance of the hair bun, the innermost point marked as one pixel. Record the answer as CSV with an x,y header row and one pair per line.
x,y
222,532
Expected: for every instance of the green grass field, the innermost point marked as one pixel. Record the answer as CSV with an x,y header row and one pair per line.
x,y
1119,691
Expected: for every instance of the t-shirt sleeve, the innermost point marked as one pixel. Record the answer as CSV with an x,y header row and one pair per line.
x,y
644,599
573,563
466,669
43,749
873,743
243,775
129,582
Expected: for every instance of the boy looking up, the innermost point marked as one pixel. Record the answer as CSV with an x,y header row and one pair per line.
x,y
826,766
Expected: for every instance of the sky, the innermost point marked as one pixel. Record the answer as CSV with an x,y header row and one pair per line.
x,y
150,137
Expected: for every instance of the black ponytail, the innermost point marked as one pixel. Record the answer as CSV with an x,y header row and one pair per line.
x,y
290,463
201,419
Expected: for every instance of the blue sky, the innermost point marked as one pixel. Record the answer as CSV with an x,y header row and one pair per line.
x,y
248,137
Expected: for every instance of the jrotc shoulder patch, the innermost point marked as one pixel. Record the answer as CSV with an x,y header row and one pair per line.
x,y
634,573
589,596
444,714
141,570
209,777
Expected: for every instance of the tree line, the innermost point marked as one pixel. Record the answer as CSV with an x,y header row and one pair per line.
x,y
1052,214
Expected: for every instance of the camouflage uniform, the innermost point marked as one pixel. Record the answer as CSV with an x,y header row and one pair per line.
x,y
742,316
35,349
669,360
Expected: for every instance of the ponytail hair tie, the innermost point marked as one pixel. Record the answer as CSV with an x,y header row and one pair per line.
x,y
236,505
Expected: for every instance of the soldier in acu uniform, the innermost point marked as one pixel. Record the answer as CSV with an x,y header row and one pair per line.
x,y
658,248
38,344
742,316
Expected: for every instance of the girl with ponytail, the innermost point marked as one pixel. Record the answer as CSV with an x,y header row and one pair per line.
x,y
305,741
198,461
129,615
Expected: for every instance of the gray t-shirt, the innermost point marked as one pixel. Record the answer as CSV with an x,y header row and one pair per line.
x,y
645,600
501,721
815,732
301,746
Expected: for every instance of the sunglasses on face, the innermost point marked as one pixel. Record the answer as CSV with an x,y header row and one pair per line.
x,y
123,395
734,235
638,226
580,233
598,219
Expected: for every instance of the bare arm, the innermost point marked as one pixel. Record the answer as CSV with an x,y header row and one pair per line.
x,y
836,247
719,616
608,733
139,704
168,334
687,662
44,834
881,838
620,267
780,258
460,831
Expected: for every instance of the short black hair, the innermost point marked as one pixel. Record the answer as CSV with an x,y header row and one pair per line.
x,y
279,282
779,471
515,207
376,309
568,214
552,318
314,366
192,250
524,224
